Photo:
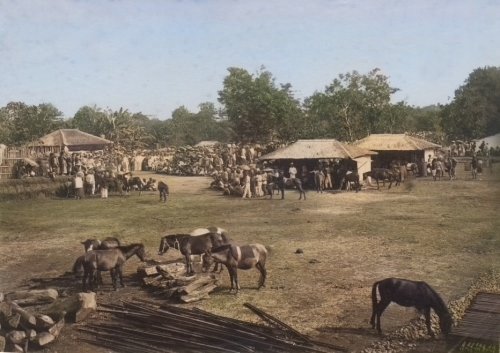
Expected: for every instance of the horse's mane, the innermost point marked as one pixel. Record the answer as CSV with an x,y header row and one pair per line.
x,y
127,248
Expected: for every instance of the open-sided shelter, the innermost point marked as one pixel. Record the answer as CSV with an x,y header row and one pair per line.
x,y
73,139
311,152
401,147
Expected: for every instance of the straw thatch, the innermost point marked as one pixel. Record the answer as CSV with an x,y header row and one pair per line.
x,y
74,139
394,142
317,149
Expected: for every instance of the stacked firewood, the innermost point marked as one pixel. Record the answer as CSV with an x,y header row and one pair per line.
x,y
21,327
168,280
144,326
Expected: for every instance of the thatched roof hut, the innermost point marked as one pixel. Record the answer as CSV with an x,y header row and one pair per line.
x,y
397,147
73,139
310,152
317,149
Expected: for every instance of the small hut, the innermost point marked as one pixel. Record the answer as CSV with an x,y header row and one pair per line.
x,y
400,147
72,139
311,152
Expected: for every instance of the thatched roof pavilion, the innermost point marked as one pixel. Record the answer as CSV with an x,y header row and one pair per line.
x,y
318,149
397,147
73,139
309,153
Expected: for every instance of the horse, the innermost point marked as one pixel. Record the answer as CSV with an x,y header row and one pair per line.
x,y
412,168
111,260
95,244
348,178
189,245
409,294
385,174
298,184
239,257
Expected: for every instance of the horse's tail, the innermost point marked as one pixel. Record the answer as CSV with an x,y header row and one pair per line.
x,y
374,294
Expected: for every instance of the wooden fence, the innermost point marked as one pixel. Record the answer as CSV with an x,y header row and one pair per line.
x,y
11,155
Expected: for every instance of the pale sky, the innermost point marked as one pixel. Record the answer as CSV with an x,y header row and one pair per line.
x,y
152,56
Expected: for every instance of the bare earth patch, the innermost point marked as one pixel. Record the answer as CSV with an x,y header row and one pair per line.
x,y
445,233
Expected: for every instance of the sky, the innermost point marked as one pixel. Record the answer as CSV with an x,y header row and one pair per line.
x,y
153,56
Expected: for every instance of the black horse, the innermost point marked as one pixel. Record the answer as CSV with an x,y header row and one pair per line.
x,y
410,293
385,174
189,245
111,260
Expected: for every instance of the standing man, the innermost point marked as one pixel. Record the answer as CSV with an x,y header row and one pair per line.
x,y
473,165
292,171
163,189
247,185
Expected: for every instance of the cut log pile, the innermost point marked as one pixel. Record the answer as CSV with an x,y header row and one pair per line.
x,y
168,280
143,326
21,327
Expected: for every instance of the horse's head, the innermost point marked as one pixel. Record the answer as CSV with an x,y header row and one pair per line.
x,y
91,244
141,253
164,245
206,262
445,323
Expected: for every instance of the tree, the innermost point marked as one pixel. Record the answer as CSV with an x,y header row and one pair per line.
x,y
256,107
25,123
91,120
475,109
353,106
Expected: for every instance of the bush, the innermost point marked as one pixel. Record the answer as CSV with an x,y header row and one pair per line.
x,y
34,187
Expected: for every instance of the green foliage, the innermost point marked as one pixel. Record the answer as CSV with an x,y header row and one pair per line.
x,y
257,108
21,124
475,109
353,106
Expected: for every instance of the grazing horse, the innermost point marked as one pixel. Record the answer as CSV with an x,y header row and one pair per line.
x,y
189,245
95,244
385,174
239,257
111,260
410,293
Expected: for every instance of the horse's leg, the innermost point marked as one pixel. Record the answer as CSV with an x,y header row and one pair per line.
x,y
112,272
84,281
119,269
427,314
381,306
230,270
189,266
263,274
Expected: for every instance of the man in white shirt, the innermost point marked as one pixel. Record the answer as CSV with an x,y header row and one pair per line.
x,y
292,171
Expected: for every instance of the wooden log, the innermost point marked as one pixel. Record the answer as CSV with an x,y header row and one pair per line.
x,y
16,336
198,295
43,322
32,296
44,338
17,348
14,321
31,334
196,284
56,329
76,307
28,320
5,311
2,344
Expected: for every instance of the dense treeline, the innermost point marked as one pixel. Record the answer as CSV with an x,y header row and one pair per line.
x,y
254,108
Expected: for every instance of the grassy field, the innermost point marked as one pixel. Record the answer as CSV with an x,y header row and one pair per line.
x,y
445,233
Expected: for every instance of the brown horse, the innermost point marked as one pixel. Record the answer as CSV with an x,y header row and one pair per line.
x,y
188,244
111,260
409,293
239,257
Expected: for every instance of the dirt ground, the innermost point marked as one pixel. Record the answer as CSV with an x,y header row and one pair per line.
x,y
445,233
